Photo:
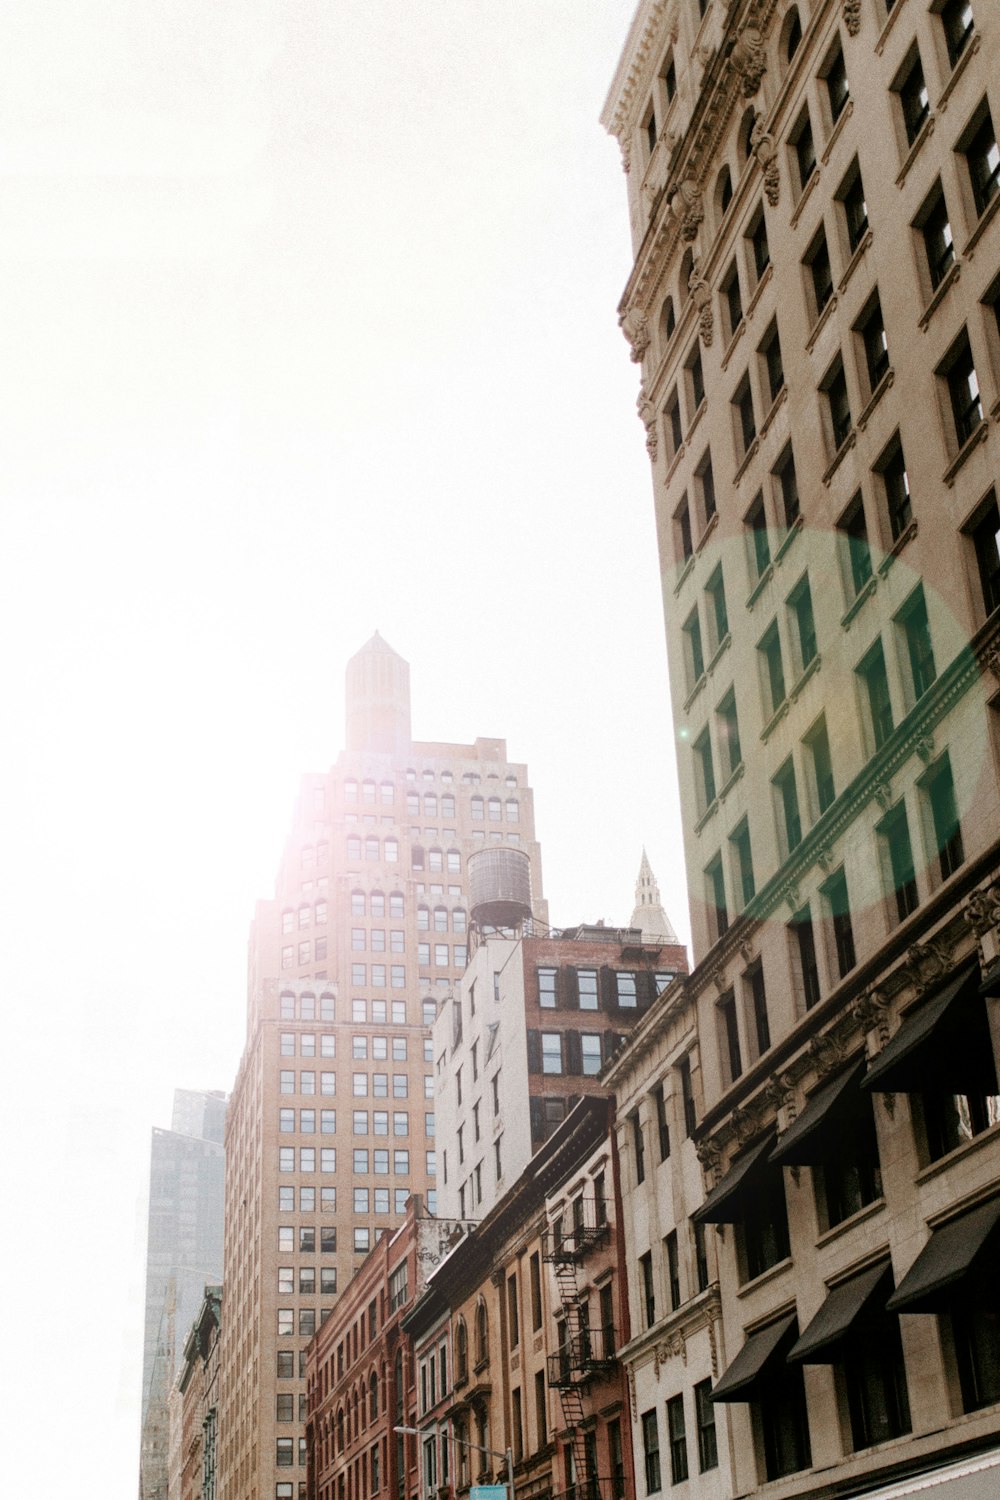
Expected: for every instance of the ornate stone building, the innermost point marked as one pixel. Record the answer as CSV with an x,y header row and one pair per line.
x,y
813,193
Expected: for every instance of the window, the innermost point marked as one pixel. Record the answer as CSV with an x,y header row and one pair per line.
x,y
938,789
694,657
914,627
834,388
682,530
787,801
590,1054
854,529
286,1120
913,99
959,374
817,260
855,207
728,731
983,160
804,149
788,486
760,547
742,856
934,227
804,951
647,1288
760,254
651,1452
729,1037
838,902
837,88
770,352
672,423
754,980
662,1125
876,347
547,988
704,772
706,486
875,682
746,425
284,1452
696,378
769,651
678,1440
704,1407
731,300
897,860
715,898
686,1091
638,1147
985,534
896,484
958,24
552,1052
801,608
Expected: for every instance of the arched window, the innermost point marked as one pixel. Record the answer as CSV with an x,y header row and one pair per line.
x,y
454,862
354,847
687,261
368,791
413,804
482,1333
447,806
371,850
494,809
477,808
723,192
423,919
428,775
307,1008
435,860
417,857
430,805
461,1351
377,901
791,34
357,903
340,1429
372,1396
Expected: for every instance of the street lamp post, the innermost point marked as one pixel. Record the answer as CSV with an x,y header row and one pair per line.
x,y
507,1455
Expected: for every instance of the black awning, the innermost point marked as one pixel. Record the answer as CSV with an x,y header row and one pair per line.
x,y
949,1255
939,1043
724,1204
818,1345
812,1137
767,1344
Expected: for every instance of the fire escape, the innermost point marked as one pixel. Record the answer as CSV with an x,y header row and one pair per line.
x,y
585,1354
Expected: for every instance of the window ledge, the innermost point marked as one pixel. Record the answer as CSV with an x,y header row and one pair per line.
x,y
747,459
860,598
771,1274
787,540
760,585
821,322
980,435
683,575
875,398
696,418
709,528
707,815
973,46
836,1230
776,405
730,782
948,279
804,197
855,260
926,130
890,23
845,115
903,540
774,720
840,455
738,333
967,1148
720,651
758,291
807,672
986,219
675,460
694,692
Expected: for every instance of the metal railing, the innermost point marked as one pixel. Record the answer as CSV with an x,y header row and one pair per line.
x,y
582,1357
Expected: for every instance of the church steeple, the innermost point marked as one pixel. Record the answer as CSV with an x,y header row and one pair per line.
x,y
378,699
649,914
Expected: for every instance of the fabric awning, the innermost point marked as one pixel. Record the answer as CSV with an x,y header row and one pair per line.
x,y
724,1203
971,1478
767,1344
811,1138
940,1041
845,1303
949,1255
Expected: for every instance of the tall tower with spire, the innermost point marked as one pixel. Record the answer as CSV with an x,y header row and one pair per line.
x,y
648,913
378,699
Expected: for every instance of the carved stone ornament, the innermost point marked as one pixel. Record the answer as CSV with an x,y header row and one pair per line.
x,y
713,1346
825,859
669,1349
719,979
631,1391
925,748
852,16
780,1092
745,1124
791,895
747,953
647,415
927,963
763,147
871,1011
687,208
883,795
635,327
982,910
992,661
625,145
749,58
702,297
827,1053
710,1157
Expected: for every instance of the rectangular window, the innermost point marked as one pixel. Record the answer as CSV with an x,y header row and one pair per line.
x,y
638,1147
694,657
754,980
704,1406
958,24
662,1125
839,905
871,328
678,1440
742,858
686,1091
788,487
704,772
895,481
834,388
804,149
673,1269
682,531
769,653
718,614
731,300
817,743
934,227
985,533
770,353
837,88
801,608
803,938
755,522
728,731
586,980
853,528
983,160
696,378
552,1061
851,194
715,898
760,254
787,802
959,374
897,858
705,477
875,683
914,100
651,1452
938,789
648,1288
915,630
672,424
626,994
547,988
729,1037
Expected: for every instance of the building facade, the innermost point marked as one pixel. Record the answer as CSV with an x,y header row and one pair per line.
x,y
194,1406
332,1122
813,194
183,1253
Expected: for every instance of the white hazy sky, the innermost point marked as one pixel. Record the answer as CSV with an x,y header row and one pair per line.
x,y
308,328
